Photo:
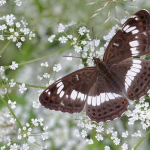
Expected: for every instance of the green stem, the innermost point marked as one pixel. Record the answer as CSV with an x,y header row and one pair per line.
x,y
142,140
40,58
6,104
30,85
4,48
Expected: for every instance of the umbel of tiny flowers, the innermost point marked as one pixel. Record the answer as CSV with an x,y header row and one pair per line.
x,y
13,30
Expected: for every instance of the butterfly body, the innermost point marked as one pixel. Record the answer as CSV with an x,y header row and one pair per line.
x,y
104,88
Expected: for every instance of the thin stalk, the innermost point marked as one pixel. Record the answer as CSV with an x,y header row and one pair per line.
x,y
4,48
6,104
142,140
40,58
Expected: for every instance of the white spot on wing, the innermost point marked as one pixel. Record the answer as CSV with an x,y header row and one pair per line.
x,y
130,73
60,89
46,90
77,77
94,101
89,100
49,93
136,61
116,44
135,70
61,94
128,81
134,43
59,84
134,51
137,66
135,31
126,27
74,94
130,29
98,100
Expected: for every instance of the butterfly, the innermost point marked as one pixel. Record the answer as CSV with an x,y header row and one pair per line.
x,y
105,88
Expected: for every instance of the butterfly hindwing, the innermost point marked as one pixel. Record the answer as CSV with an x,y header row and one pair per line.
x,y
69,93
135,75
132,40
103,102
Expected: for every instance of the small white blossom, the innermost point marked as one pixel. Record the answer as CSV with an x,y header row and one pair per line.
x,y
25,146
45,136
89,141
14,146
77,49
124,146
12,104
125,134
45,64
2,2
12,120
50,39
22,88
13,66
18,2
57,67
84,133
36,104
12,83
46,75
31,139
106,148
62,39
61,28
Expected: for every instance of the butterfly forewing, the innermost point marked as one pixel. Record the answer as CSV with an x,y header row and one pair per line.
x,y
69,93
132,40
104,102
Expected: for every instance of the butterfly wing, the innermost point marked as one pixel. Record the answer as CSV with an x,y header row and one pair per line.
x,y
69,93
104,102
135,75
132,40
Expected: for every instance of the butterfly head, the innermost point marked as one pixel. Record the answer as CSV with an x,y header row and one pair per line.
x,y
96,61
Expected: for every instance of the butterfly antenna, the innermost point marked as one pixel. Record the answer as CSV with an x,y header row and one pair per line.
x,y
72,56
93,38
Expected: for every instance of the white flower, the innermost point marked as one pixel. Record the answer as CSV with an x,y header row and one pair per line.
x,y
2,2
89,141
25,146
12,83
12,120
77,48
106,148
22,88
61,28
44,136
36,104
19,44
45,64
124,146
14,146
57,67
125,134
50,39
31,139
99,137
46,75
35,122
12,104
99,129
13,66
18,2
84,133
62,39
83,30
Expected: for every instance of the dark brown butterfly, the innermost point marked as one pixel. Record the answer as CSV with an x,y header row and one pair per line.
x,y
105,88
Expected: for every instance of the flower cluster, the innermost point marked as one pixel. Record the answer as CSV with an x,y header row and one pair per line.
x,y
14,30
